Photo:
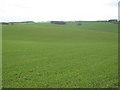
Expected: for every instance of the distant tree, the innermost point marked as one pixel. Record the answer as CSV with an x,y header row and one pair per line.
x,y
58,22
115,21
79,23
5,23
112,20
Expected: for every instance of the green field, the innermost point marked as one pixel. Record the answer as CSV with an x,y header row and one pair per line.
x,y
45,55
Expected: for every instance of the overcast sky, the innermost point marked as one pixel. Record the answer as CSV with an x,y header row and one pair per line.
x,y
46,10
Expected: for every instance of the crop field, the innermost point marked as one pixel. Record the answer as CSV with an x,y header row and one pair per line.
x,y
44,55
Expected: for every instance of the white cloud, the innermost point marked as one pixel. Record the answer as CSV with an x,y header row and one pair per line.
x,y
44,10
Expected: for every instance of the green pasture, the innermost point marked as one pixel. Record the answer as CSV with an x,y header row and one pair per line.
x,y
44,55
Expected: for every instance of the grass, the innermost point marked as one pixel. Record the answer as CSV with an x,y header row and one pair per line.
x,y
46,55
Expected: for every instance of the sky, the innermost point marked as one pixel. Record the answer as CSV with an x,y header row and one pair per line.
x,y
66,10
